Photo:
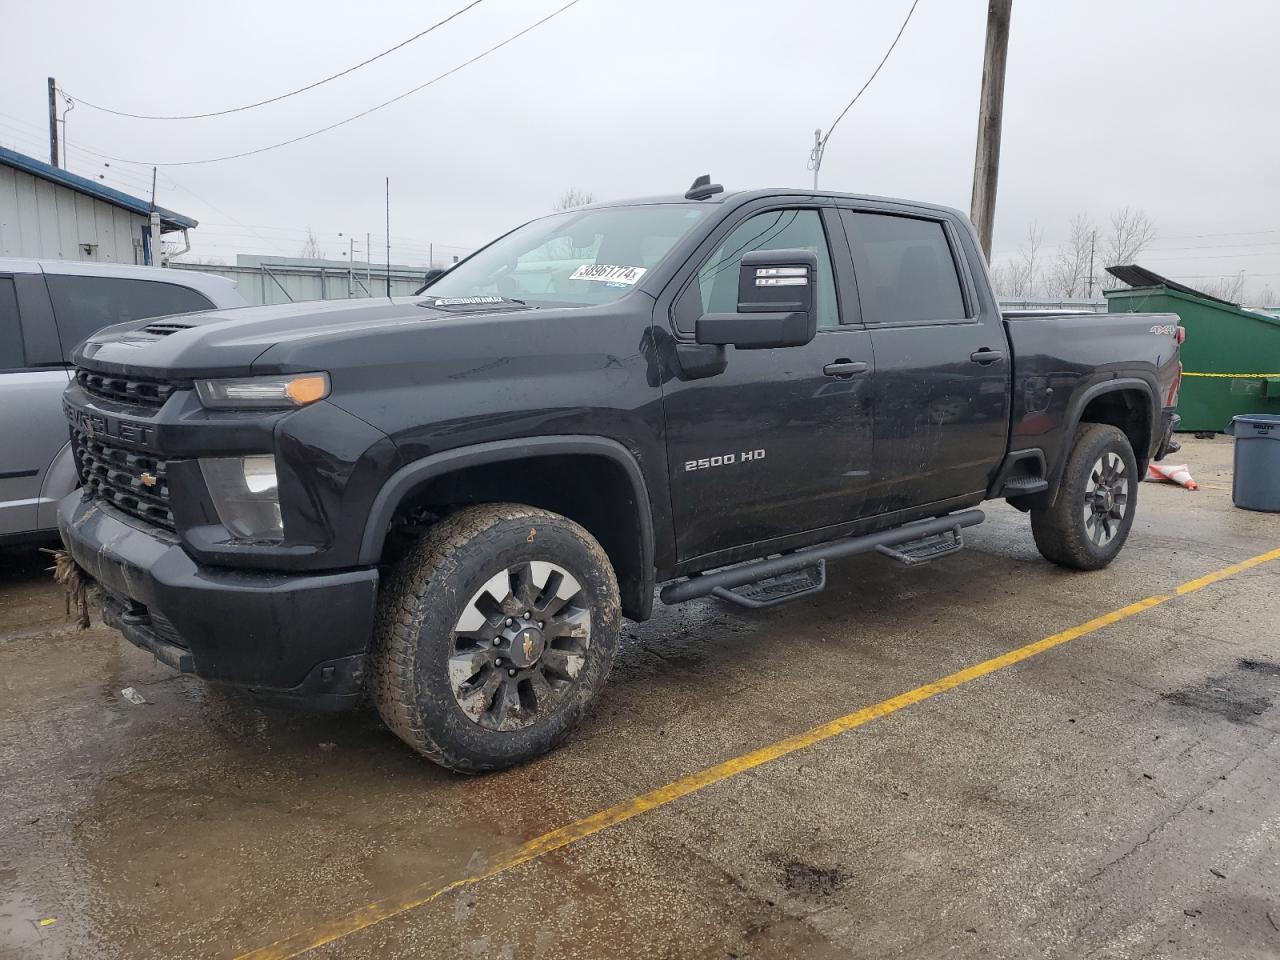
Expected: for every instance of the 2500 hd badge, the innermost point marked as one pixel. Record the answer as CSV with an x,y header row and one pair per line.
x,y
724,460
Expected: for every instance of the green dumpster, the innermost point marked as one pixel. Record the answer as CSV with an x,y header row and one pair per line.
x,y
1231,357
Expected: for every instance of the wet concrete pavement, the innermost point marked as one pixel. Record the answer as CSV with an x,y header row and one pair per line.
x,y
1113,797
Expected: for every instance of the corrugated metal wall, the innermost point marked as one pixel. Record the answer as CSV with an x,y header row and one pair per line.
x,y
43,219
291,283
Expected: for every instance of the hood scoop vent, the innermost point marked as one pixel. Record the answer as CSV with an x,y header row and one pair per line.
x,y
162,328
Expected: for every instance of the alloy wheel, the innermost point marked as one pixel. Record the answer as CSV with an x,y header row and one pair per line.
x,y
519,645
1106,498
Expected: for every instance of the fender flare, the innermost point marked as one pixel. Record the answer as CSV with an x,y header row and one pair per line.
x,y
417,474
1072,420
1089,394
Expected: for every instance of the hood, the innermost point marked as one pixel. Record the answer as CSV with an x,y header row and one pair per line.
x,y
227,342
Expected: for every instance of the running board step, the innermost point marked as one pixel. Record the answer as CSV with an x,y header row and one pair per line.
x,y
702,585
771,591
925,549
1021,486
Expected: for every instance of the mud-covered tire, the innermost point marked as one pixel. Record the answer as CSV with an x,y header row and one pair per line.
x,y
1063,533
419,607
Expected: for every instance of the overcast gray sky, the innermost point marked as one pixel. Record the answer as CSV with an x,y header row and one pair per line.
x,y
1166,105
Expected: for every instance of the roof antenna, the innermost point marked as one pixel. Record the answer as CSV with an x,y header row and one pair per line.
x,y
703,188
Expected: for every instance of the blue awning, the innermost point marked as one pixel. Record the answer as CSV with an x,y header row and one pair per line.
x,y
38,168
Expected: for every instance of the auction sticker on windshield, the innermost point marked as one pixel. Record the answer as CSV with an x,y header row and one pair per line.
x,y
608,273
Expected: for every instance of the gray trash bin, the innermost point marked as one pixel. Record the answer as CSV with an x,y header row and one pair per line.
x,y
1255,483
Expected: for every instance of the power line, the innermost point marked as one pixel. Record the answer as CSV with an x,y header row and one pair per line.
x,y
831,129
1246,244
283,96
1161,255
1232,233
363,113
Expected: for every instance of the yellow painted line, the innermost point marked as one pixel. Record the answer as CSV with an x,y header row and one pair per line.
x,y
380,910
1231,376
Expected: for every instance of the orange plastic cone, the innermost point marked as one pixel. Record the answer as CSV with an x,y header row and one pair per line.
x,y
1172,474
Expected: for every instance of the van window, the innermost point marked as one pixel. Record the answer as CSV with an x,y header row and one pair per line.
x,y
82,305
904,268
11,357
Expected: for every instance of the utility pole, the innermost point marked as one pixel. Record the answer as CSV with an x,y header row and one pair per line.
x,y
53,121
1093,237
368,266
815,157
986,163
388,237
156,259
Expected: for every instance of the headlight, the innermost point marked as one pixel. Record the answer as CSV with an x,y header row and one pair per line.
x,y
246,495
294,390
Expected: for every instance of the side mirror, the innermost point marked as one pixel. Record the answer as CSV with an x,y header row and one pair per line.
x,y
775,303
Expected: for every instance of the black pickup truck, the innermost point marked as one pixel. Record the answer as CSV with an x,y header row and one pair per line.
x,y
449,501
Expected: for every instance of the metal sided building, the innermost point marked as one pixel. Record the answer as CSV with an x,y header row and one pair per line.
x,y
1231,358
47,212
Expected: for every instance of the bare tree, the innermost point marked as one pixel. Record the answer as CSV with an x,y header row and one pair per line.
x,y
1131,232
1024,279
311,249
1071,271
573,197
1225,288
1000,279
1267,297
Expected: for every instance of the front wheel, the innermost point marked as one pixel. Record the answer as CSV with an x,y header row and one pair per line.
x,y
494,634
1090,521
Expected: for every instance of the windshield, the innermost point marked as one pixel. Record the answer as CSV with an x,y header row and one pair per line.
x,y
575,258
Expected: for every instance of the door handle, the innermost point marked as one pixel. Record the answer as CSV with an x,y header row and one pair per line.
x,y
844,369
985,356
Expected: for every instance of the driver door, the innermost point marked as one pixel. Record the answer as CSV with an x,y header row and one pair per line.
x,y
779,443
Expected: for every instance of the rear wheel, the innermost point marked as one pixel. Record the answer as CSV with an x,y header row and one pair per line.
x,y
494,634
1090,521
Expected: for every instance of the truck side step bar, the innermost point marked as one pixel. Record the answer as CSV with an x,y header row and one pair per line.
x,y
774,567
926,548
774,590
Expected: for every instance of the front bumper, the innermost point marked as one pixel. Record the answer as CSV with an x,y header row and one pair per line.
x,y
294,636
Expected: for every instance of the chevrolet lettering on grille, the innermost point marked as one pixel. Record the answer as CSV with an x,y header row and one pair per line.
x,y
95,425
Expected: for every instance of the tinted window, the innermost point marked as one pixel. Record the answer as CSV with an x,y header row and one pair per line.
x,y
717,281
82,305
904,268
11,357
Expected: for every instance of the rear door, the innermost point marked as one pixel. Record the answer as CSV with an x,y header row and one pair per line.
x,y
780,442
941,390
32,378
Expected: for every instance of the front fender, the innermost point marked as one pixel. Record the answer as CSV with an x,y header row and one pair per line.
x,y
414,477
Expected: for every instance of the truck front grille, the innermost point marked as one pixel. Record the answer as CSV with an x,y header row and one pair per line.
x,y
134,391
136,483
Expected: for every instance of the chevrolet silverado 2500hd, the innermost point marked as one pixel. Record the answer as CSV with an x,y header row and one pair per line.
x,y
449,501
